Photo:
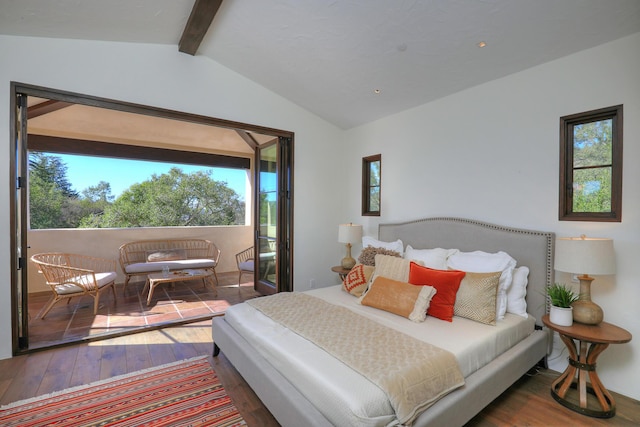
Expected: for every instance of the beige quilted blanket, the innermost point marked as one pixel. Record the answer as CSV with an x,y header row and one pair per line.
x,y
412,373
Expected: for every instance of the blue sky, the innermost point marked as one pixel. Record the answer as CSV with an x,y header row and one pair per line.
x,y
85,171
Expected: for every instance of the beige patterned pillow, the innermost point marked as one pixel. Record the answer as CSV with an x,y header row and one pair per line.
x,y
392,267
476,298
357,279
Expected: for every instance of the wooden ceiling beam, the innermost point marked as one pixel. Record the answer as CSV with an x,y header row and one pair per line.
x,y
46,107
198,24
250,140
62,145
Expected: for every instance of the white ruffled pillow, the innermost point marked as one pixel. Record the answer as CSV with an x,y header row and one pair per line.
x,y
516,302
397,246
432,258
484,262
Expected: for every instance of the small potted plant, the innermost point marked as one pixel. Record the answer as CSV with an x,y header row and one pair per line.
x,y
561,298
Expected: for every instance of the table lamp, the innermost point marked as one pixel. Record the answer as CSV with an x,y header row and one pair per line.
x,y
585,255
349,233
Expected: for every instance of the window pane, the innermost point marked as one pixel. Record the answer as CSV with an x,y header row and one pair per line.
x,y
374,199
268,191
268,176
374,173
268,214
267,259
371,184
592,144
592,190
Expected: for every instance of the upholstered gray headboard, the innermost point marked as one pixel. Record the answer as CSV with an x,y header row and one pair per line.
x,y
530,248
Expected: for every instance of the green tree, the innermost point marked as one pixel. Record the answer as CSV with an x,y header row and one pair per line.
x,y
173,199
50,169
50,193
94,201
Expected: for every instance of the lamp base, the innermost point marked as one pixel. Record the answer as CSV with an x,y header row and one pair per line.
x,y
587,312
348,263
584,310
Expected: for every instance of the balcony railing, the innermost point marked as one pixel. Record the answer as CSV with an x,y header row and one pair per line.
x,y
104,243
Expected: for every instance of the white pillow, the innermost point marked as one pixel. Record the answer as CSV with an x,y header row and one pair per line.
x,y
393,246
516,302
432,258
484,262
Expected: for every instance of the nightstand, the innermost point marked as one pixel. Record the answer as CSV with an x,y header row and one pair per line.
x,y
342,272
593,340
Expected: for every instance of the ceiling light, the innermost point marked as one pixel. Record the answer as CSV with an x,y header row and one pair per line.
x,y
481,44
377,91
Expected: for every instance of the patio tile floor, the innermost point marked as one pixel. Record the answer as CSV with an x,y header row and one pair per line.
x,y
182,301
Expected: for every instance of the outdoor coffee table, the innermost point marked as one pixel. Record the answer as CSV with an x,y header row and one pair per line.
x,y
155,279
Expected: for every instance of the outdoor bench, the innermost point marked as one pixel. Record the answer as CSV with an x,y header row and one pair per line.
x,y
139,258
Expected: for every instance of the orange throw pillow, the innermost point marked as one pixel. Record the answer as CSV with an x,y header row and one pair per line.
x,y
446,283
403,299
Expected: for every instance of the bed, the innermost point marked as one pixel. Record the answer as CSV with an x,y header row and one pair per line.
x,y
296,397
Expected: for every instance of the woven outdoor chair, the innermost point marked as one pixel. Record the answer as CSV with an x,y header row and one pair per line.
x,y
73,275
245,261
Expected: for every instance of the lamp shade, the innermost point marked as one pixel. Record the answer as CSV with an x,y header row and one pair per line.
x,y
585,255
349,233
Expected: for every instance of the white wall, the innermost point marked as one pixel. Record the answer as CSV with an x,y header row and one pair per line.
x,y
161,76
492,153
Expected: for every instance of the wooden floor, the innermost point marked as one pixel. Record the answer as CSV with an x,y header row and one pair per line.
x,y
527,403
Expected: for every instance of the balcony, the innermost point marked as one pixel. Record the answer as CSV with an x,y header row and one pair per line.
x,y
180,303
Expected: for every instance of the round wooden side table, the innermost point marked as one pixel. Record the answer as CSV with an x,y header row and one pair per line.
x,y
593,340
342,272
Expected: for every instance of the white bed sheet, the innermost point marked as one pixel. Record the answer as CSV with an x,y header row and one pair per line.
x,y
345,397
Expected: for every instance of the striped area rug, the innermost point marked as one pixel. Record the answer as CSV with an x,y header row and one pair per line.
x,y
186,394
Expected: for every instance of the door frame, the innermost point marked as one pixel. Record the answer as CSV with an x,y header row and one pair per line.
x,y
283,222
18,184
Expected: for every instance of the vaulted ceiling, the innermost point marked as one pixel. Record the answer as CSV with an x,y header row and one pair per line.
x,y
348,61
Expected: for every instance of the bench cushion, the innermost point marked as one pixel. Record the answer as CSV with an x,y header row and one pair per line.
x,y
149,267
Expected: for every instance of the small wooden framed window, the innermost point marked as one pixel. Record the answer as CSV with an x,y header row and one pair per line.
x,y
591,166
371,184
